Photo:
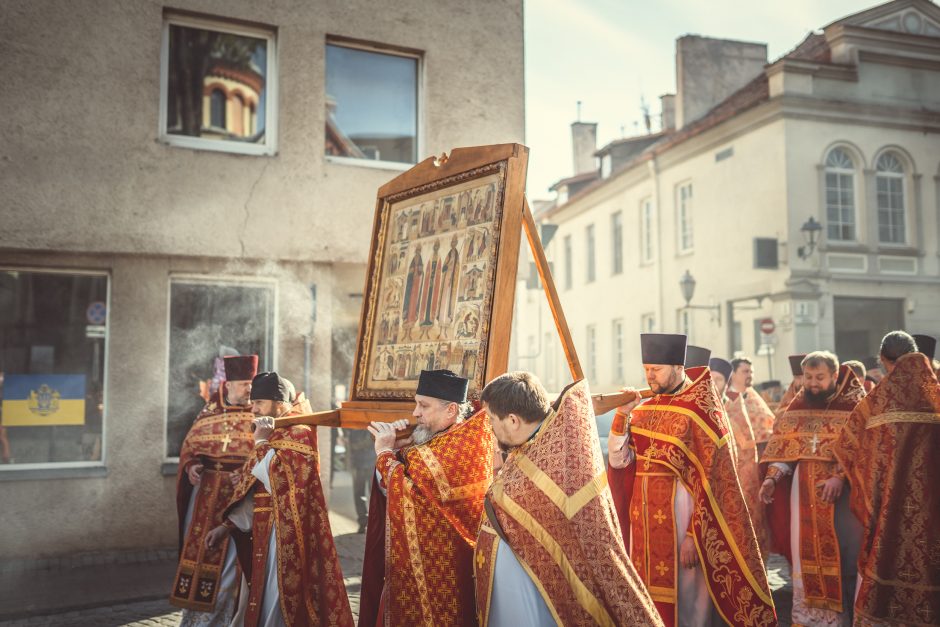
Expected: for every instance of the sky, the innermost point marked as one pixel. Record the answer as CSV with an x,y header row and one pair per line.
x,y
611,53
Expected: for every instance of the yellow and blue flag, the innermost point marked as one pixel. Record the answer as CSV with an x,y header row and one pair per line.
x,y
42,400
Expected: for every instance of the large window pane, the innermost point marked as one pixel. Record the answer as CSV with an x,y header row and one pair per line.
x,y
371,105
53,331
207,322
217,84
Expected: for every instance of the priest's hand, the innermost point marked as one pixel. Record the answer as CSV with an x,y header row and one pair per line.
x,y
216,536
385,434
627,408
688,556
194,473
831,489
766,493
263,427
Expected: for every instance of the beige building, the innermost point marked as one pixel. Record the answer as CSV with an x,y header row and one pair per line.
x,y
838,141
181,184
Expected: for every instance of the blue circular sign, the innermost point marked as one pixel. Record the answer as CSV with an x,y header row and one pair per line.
x,y
97,313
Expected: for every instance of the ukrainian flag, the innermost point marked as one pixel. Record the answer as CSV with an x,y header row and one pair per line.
x,y
42,400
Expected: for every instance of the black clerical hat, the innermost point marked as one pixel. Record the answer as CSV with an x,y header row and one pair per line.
x,y
722,366
443,384
663,348
796,364
241,367
926,344
696,356
270,386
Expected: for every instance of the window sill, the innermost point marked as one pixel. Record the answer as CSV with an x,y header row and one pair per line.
x,y
685,253
846,247
31,474
217,145
370,163
169,469
899,251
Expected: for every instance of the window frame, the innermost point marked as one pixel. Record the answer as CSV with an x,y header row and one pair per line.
x,y
616,242
590,351
568,252
616,342
840,172
420,89
229,27
218,280
647,248
905,213
684,219
651,317
590,253
50,470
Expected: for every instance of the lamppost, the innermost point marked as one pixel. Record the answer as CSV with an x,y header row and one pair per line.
x,y
687,284
809,230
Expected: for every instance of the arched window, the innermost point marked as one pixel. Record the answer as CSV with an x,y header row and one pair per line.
x,y
889,186
217,109
840,196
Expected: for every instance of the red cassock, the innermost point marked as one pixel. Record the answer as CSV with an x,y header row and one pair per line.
x,y
890,452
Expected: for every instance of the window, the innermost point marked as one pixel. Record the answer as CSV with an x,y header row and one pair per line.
x,y
648,323
840,196
53,349
684,218
590,339
371,104
889,185
616,242
569,274
647,243
218,86
209,320
617,337
589,251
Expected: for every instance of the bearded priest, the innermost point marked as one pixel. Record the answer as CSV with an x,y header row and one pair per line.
x,y
427,503
888,450
673,479
809,515
550,550
293,569
218,443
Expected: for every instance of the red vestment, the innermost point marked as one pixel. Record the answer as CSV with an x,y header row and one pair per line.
x,y
890,452
309,578
761,416
553,507
682,438
418,562
746,465
221,440
804,435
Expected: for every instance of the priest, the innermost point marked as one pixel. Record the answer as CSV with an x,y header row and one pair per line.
x,y
293,569
425,510
550,549
796,369
218,443
678,500
809,517
745,448
888,450
761,416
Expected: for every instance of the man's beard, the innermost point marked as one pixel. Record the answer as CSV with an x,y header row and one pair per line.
x,y
421,434
820,397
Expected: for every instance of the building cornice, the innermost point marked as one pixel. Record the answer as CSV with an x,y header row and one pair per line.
x,y
846,41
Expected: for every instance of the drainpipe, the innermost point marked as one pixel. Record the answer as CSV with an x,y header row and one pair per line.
x,y
653,166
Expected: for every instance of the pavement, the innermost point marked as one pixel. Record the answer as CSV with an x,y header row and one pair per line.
x,y
131,588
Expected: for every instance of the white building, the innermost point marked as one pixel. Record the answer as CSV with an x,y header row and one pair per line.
x,y
844,130
177,183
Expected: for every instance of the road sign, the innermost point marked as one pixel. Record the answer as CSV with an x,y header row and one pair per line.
x,y
767,326
96,313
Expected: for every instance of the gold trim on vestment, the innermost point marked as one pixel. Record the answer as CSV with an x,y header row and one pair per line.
x,y
486,528
893,417
717,440
582,594
706,487
569,505
297,447
414,553
900,584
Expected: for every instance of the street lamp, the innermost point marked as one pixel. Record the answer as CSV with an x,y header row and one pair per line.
x,y
809,230
687,284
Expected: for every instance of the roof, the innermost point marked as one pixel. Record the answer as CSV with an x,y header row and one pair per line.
x,y
577,178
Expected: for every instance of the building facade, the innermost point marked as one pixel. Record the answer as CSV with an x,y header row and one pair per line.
x,y
183,183
804,192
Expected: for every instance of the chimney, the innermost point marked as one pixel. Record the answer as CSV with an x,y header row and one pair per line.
x,y
583,145
667,103
709,70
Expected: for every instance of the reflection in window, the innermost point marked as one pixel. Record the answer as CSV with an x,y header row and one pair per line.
x,y
216,84
371,105
889,185
840,196
207,322
52,352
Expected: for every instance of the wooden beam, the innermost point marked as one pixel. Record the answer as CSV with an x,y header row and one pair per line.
x,y
545,275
